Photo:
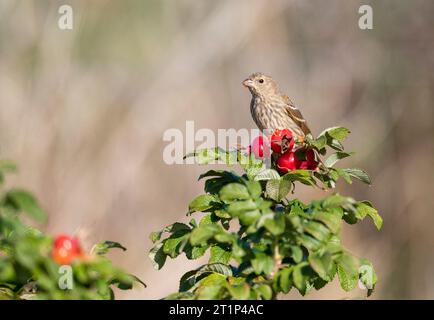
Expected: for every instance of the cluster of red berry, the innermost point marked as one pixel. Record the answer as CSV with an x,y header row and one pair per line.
x,y
290,159
66,249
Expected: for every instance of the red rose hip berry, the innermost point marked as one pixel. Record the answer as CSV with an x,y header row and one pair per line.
x,y
309,163
287,162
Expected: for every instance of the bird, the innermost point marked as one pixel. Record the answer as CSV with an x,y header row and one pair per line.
x,y
271,109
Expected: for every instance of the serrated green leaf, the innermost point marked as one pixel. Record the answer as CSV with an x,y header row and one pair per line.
x,y
335,157
248,218
317,230
348,271
175,244
264,291
157,256
338,133
296,254
262,264
217,268
331,218
367,275
299,278
238,207
322,265
276,224
202,233
195,252
254,188
365,209
239,292
267,174
278,189
234,191
285,279
219,254
202,203
103,247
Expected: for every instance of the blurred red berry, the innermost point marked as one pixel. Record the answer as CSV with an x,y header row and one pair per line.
x,y
276,140
260,147
65,249
309,162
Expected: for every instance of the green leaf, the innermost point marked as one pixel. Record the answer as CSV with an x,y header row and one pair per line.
x,y
358,174
103,247
276,224
335,157
195,252
264,291
238,207
203,233
175,244
234,191
216,275
299,278
188,280
267,174
303,176
227,175
219,254
331,218
338,133
364,209
206,156
296,254
285,279
278,189
202,203
254,188
248,218
309,242
219,268
344,175
322,265
24,201
319,143
157,256
316,229
367,275
239,292
177,226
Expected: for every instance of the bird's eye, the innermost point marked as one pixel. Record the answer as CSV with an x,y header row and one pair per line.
x,y
261,80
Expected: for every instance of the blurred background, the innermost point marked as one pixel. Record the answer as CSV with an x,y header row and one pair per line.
x,y
83,113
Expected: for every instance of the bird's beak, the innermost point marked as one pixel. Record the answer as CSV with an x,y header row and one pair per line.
x,y
248,83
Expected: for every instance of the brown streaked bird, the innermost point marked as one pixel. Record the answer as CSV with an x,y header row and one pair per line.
x,y
271,109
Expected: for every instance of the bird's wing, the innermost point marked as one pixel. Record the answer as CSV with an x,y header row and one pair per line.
x,y
296,115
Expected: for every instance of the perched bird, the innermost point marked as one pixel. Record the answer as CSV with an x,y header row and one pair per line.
x,y
271,109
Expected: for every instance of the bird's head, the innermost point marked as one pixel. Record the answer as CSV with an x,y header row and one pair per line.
x,y
261,85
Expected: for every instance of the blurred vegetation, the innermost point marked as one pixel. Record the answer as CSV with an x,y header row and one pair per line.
x,y
31,266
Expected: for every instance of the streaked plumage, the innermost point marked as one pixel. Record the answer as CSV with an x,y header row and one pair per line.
x,y
271,109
